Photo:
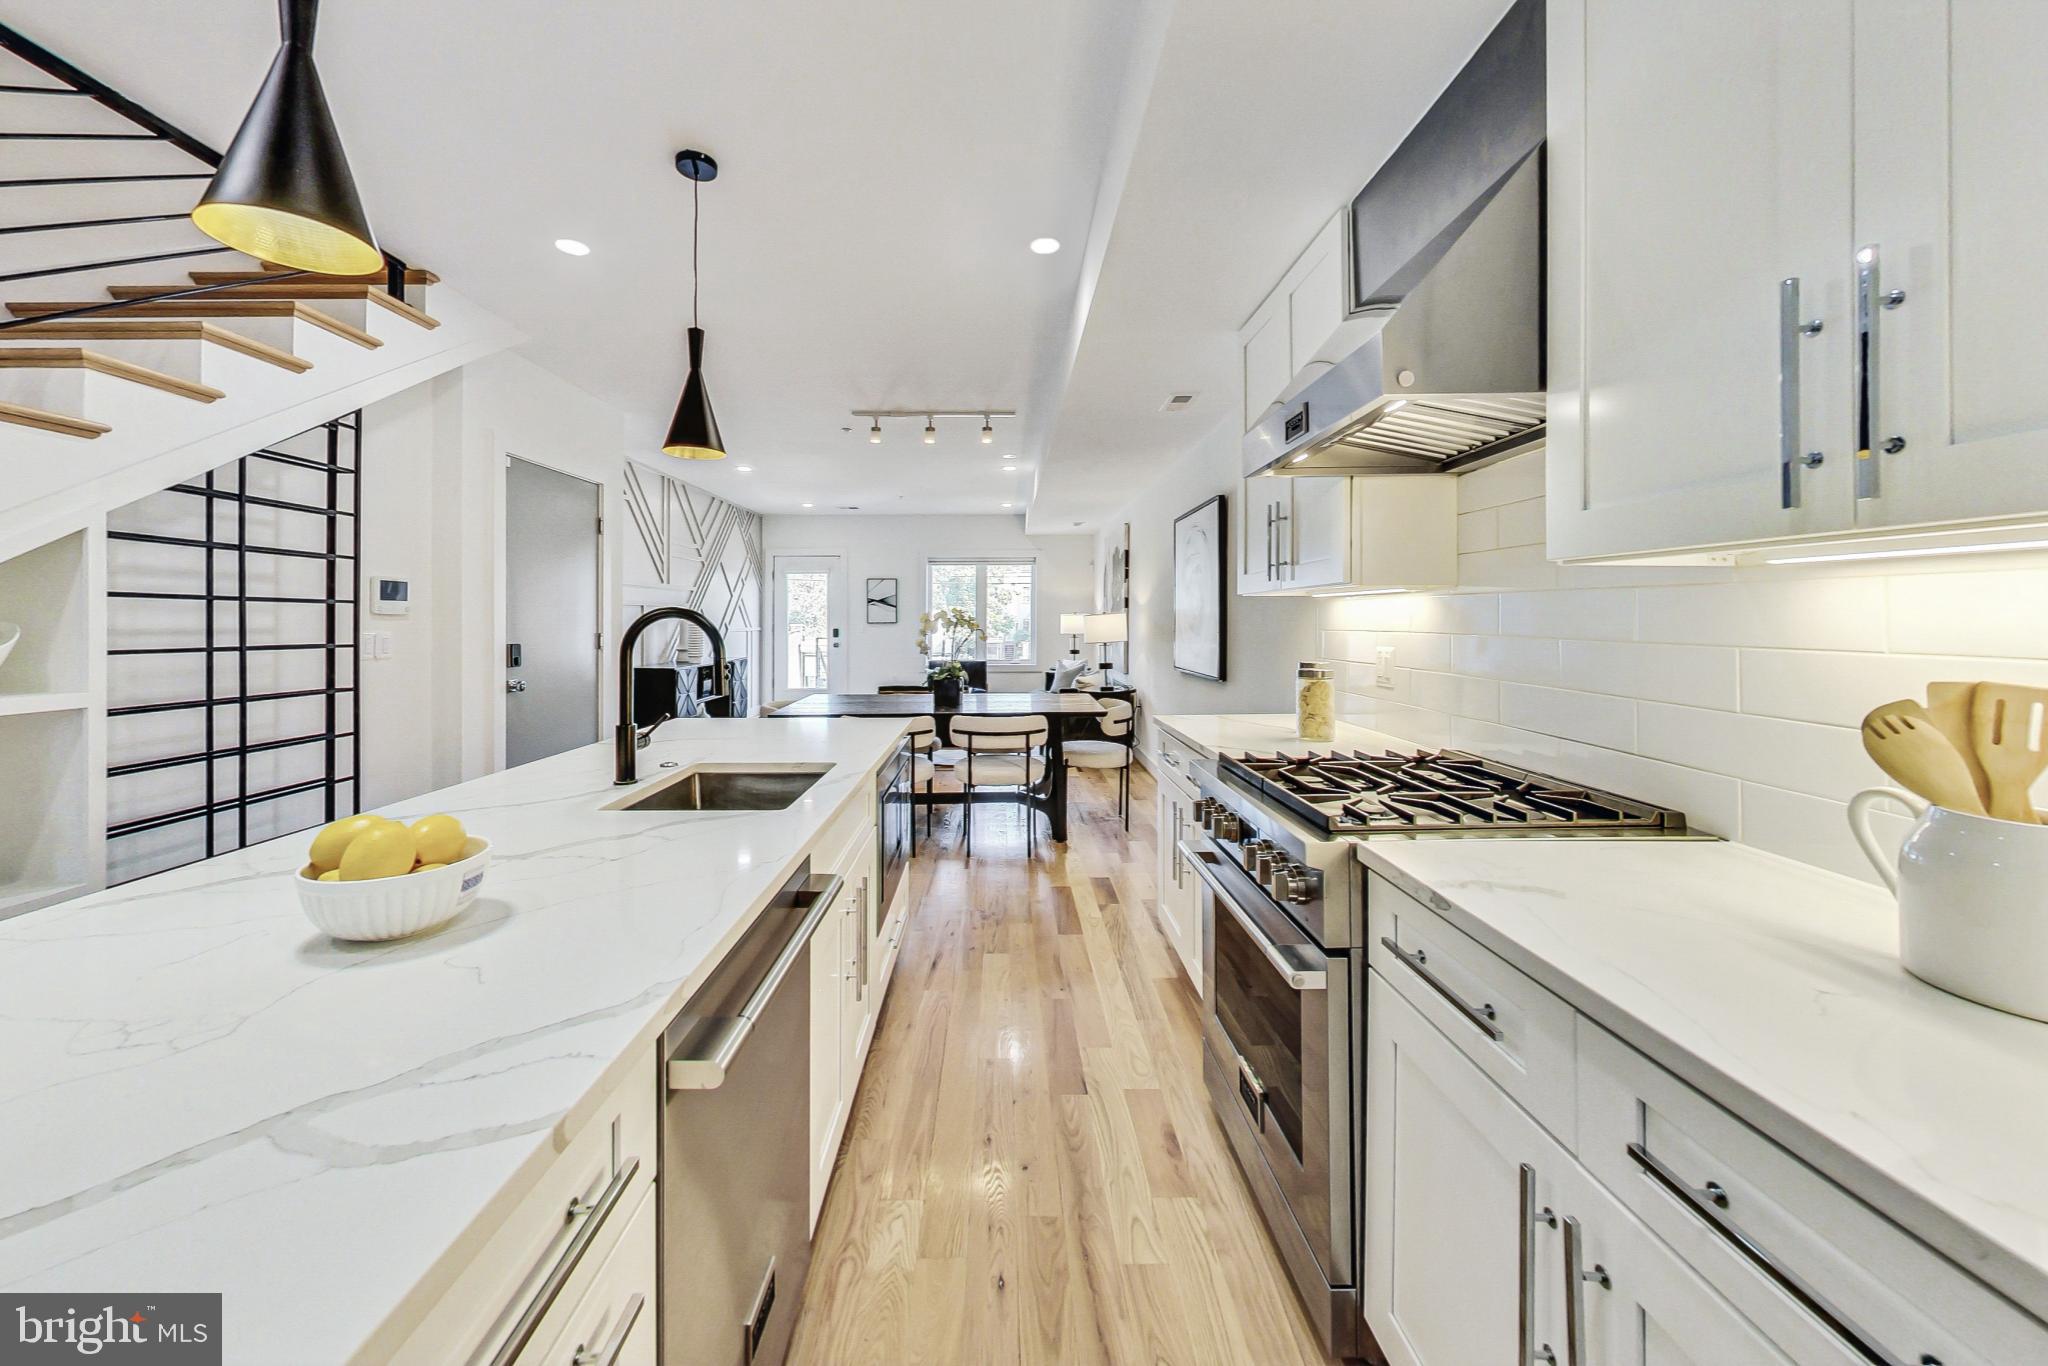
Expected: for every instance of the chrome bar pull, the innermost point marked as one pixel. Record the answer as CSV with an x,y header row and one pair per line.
x,y
1792,329
1526,1224
1706,1204
1575,1292
1483,1017
1871,300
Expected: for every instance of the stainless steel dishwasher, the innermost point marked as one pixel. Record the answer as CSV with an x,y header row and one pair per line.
x,y
735,1129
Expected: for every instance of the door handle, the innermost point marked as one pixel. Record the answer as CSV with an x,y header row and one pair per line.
x,y
515,685
1527,1220
1483,1017
1575,1293
1871,300
1792,329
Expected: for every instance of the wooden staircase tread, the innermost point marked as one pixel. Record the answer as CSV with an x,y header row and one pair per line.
x,y
294,289
52,422
165,329
413,276
211,308
78,358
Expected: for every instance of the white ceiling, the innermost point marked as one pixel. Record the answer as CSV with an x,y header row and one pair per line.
x,y
1263,119
883,165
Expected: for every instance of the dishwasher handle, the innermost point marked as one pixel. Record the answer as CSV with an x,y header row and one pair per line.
x,y
710,1044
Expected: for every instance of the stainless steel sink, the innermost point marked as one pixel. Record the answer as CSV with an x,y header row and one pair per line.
x,y
727,787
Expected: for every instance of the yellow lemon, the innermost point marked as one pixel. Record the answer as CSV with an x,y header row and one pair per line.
x,y
331,875
381,851
429,867
440,838
335,838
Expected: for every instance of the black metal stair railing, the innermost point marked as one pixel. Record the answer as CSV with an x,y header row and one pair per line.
x,y
71,83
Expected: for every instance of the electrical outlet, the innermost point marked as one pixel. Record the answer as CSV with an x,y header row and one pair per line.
x,y
1383,667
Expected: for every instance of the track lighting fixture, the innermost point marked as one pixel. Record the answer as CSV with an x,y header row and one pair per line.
x,y
931,433
693,432
283,193
875,433
988,433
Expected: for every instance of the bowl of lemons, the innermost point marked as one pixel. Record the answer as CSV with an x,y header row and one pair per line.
x,y
370,877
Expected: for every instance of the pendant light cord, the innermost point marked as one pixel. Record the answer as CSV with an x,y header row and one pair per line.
x,y
696,211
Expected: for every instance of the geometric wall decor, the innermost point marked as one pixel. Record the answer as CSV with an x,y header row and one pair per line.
x,y
692,549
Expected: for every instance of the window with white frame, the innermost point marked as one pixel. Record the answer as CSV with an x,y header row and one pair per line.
x,y
1002,596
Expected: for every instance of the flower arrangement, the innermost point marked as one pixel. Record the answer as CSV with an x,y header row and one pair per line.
x,y
945,633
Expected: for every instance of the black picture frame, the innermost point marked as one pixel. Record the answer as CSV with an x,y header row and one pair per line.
x,y
1201,591
883,599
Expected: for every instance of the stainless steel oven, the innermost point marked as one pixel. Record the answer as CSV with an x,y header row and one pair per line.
x,y
893,813
1280,1047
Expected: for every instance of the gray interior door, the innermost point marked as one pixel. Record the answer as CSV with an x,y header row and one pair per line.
x,y
551,611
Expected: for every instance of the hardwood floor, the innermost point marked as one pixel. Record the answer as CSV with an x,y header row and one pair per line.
x,y
1032,1172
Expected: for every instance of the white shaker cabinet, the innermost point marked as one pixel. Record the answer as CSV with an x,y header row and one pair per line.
x,y
1951,191
1180,918
1294,534
1698,157
1487,1241
1303,326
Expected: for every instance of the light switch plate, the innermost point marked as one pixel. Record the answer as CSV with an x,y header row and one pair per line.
x,y
1383,667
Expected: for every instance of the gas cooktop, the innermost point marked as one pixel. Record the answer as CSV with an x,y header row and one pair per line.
x,y
1436,792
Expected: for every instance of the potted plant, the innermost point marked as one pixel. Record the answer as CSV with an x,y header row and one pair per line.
x,y
941,636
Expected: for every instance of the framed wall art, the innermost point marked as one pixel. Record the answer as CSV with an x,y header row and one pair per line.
x,y
1200,591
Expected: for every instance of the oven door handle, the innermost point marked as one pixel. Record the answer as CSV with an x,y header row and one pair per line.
x,y
1286,960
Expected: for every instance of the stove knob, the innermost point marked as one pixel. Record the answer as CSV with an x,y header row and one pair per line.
x,y
1258,857
1292,882
1226,827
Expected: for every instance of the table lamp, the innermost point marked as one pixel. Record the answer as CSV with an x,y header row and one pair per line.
x,y
1071,626
1106,629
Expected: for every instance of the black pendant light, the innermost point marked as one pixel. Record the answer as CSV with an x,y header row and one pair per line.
x,y
284,193
693,432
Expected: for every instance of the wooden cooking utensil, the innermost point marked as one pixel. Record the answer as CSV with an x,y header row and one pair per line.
x,y
2007,725
1948,706
1906,744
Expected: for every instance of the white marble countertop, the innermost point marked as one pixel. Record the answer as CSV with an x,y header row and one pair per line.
x,y
1266,732
1776,989
199,1091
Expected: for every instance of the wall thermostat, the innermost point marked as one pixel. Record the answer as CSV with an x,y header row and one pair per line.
x,y
391,597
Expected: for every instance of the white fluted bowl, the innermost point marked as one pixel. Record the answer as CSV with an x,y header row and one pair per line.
x,y
10,636
394,907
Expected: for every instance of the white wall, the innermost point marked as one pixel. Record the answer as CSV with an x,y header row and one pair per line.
x,y
1263,637
898,547
1733,694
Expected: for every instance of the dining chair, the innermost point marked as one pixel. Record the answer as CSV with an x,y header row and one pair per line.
x,y
1001,751
923,734
1115,751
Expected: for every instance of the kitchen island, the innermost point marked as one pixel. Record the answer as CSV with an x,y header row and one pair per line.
x,y
200,1092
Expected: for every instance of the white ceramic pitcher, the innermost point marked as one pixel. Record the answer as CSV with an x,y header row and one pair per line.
x,y
1973,901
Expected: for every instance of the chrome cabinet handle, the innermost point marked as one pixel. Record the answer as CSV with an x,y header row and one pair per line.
x,y
593,1213
1706,1204
515,685
1871,299
1178,873
1283,552
709,1048
860,940
1527,1222
1302,976
609,1354
1481,1016
1792,329
1575,1293
1272,571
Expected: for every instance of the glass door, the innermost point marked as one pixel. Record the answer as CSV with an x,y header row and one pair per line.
x,y
809,625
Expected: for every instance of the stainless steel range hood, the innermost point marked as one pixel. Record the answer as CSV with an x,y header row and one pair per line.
x,y
1447,243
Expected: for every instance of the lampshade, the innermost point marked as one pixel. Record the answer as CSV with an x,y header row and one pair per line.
x,y
1106,628
1073,623
283,192
693,431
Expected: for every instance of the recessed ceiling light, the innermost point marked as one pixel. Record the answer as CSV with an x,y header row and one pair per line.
x,y
744,469
1006,505
569,246
807,504
1009,469
1045,246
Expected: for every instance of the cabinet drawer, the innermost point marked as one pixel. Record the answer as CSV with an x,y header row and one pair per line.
x,y
612,1321
525,1269
1827,1276
1518,1033
1179,763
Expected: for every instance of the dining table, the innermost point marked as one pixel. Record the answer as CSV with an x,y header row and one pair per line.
x,y
1060,709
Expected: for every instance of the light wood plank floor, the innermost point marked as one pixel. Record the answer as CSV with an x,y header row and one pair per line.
x,y
1032,1172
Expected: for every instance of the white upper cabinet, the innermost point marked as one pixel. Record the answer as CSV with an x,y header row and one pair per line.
x,y
1720,183
1951,193
1306,534
1698,158
1302,327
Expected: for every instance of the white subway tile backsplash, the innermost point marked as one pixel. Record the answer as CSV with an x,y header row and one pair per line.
x,y
1695,675
1458,695
1521,566
1513,480
1838,689
1597,720
1970,614
1471,614
1371,612
1521,523
1805,614
1512,657
1814,829
1478,530
1711,801
1572,614
1821,761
